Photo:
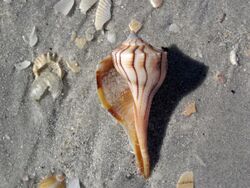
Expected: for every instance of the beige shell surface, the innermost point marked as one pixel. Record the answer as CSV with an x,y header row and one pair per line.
x,y
85,5
55,181
127,81
49,61
186,180
103,13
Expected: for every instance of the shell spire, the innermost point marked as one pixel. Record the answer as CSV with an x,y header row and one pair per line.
x,y
140,70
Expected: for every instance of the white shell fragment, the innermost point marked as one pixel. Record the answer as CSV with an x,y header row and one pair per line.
x,y
23,65
103,13
64,6
233,56
46,80
135,25
33,39
156,3
111,36
73,183
85,5
7,1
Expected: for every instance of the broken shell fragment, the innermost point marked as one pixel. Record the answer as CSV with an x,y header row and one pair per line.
x,y
156,3
80,42
103,13
135,26
127,81
64,6
111,37
48,61
85,5
73,66
55,181
233,56
186,180
23,65
190,108
47,80
33,39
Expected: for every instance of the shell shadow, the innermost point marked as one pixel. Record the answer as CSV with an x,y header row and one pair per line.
x,y
183,76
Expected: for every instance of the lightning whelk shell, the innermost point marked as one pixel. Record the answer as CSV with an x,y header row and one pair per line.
x,y
103,13
127,81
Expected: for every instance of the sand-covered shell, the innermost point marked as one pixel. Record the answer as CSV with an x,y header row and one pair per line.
x,y
49,61
127,81
47,80
54,181
156,3
103,13
85,5
48,73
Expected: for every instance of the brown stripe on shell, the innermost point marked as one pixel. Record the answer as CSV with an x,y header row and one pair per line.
x,y
120,63
133,66
144,67
115,114
122,47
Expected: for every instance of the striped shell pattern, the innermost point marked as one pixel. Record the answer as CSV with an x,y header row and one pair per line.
x,y
127,81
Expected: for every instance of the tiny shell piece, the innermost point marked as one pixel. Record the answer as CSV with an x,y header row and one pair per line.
x,y
233,57
190,108
80,42
111,37
135,25
85,5
186,180
55,181
33,39
156,3
73,66
219,77
103,13
64,6
73,183
23,65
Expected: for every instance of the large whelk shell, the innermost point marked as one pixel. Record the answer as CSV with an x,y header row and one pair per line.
x,y
103,13
127,81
